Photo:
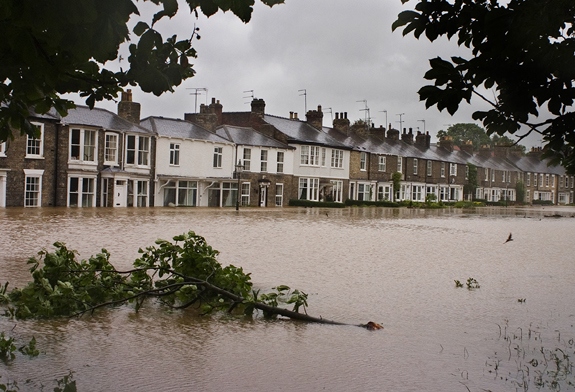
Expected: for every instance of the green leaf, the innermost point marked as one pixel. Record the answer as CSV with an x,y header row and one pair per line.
x,y
140,28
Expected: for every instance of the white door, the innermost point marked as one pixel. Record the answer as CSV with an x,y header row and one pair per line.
x,y
263,195
120,194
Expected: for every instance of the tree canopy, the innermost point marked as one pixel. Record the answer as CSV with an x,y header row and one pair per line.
x,y
472,132
55,47
523,49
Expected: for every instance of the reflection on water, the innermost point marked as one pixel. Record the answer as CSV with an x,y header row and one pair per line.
x,y
393,266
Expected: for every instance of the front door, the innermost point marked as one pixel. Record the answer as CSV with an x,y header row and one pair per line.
x,y
263,196
120,193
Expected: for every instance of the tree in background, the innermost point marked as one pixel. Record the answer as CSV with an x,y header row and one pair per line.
x,y
520,49
56,47
520,191
472,183
462,131
396,179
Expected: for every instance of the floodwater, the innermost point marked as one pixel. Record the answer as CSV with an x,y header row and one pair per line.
x,y
395,267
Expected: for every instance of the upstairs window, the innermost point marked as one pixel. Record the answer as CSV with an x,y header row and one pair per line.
x,y
83,145
247,159
280,161
323,155
264,160
35,146
362,161
137,150
399,163
429,168
442,169
414,166
174,154
453,169
218,152
3,149
528,179
309,155
381,165
111,149
337,159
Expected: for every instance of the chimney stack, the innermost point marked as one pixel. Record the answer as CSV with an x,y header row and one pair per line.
x,y
407,137
341,123
467,146
446,142
127,109
315,118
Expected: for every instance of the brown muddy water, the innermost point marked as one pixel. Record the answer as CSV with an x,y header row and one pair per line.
x,y
393,266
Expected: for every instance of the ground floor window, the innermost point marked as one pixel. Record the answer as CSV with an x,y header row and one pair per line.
x,y
246,194
104,195
137,193
309,189
404,192
2,188
142,194
417,193
384,192
528,196
336,192
279,195
181,193
32,195
444,193
454,193
364,192
229,194
562,198
81,192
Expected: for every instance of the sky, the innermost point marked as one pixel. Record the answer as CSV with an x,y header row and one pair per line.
x,y
341,52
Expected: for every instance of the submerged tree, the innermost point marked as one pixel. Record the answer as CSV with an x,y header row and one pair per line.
x,y
521,48
179,275
55,47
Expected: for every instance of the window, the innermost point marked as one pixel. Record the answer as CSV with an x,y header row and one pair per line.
x,y
364,192
181,193
280,168
466,172
442,169
83,145
309,155
35,146
3,149
174,154
264,161
381,165
81,192
309,189
229,194
414,166
33,188
486,174
245,194
336,192
534,179
323,153
453,169
384,192
560,181
399,163
553,180
105,192
142,193
547,180
492,175
337,159
528,179
508,176
417,193
247,159
218,157
111,149
362,161
429,168
137,150
279,195
541,180
503,175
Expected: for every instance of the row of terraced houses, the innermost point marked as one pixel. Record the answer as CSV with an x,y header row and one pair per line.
x,y
98,158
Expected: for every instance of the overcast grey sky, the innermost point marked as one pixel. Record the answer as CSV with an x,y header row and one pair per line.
x,y
339,51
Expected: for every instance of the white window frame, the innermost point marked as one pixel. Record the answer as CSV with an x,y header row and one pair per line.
x,y
141,151
552,180
362,161
279,195
3,149
218,154
175,154
535,179
142,194
280,161
245,194
415,164
429,168
337,191
453,169
364,192
37,174
36,144
492,175
528,179
382,163
83,147
337,159
400,164
546,180
263,161
81,193
110,147
311,187
442,169
323,156
247,155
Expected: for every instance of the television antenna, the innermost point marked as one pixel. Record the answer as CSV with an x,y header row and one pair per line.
x,y
304,97
198,91
367,115
385,111
249,96
400,121
423,121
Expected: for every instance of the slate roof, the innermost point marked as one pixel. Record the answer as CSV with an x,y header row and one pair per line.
x,y
300,132
176,128
248,137
100,118
535,165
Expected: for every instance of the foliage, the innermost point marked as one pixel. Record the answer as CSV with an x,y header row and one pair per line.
x,y
466,132
542,202
520,191
55,47
396,179
381,203
7,347
309,203
470,283
467,204
472,183
522,50
178,274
